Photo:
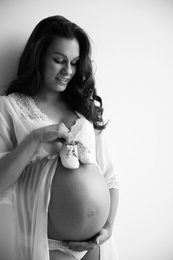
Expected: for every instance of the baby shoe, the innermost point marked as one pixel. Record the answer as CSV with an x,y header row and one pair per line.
x,y
84,155
69,156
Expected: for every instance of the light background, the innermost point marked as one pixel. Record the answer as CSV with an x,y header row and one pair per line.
x,y
133,51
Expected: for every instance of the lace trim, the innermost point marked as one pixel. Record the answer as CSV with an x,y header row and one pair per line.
x,y
83,132
30,110
28,107
113,185
42,158
56,244
8,196
62,246
80,124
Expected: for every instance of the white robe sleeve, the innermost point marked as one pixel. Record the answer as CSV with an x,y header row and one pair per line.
x,y
7,142
7,136
104,161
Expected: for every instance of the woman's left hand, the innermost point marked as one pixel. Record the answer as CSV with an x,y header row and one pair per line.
x,y
99,239
103,236
81,245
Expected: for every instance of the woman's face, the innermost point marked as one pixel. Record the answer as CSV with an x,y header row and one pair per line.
x,y
59,64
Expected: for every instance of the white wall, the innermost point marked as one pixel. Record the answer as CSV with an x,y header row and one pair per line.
x,y
132,47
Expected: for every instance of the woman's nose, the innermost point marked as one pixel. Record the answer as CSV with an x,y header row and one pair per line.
x,y
67,69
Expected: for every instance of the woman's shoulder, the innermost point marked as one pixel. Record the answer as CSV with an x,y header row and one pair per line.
x,y
12,100
19,101
7,111
14,103
17,98
5,101
13,97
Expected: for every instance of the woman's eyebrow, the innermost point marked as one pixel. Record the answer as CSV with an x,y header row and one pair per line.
x,y
59,53
56,52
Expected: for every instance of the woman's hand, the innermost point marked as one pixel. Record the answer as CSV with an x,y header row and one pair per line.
x,y
12,165
81,245
99,239
103,236
52,133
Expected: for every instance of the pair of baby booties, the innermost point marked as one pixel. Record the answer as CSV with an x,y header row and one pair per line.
x,y
72,154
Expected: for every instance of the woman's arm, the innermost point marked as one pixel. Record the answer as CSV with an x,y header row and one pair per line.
x,y
12,165
106,232
114,194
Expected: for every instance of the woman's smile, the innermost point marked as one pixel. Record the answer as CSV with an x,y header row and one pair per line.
x,y
63,80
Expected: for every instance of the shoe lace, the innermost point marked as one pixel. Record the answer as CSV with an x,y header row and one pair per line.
x,y
84,149
71,149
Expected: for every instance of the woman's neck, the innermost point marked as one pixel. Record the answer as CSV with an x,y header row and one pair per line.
x,y
52,98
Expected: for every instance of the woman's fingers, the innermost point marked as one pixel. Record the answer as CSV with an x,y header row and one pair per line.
x,y
53,132
81,246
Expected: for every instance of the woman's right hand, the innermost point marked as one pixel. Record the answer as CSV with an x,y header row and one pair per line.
x,y
53,133
12,165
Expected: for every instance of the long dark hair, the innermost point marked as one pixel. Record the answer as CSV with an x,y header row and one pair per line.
x,y
80,93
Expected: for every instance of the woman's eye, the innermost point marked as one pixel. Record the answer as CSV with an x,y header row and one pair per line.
x,y
74,63
58,60
63,61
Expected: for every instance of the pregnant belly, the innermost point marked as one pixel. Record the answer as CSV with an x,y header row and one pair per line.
x,y
79,204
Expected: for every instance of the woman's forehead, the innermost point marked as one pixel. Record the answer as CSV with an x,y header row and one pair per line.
x,y
66,47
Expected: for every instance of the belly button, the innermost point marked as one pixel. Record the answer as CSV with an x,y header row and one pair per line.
x,y
92,212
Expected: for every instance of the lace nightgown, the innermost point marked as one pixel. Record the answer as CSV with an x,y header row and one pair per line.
x,y
28,199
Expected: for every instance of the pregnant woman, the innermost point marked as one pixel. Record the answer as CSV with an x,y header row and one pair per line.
x,y
58,213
